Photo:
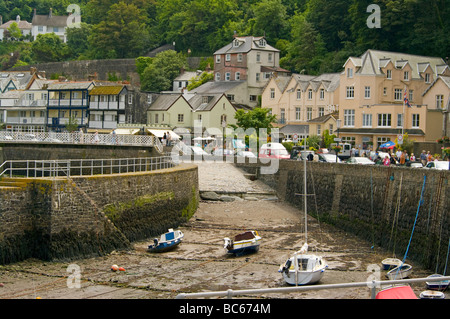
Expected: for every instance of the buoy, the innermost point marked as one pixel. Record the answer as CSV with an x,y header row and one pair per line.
x,y
114,267
121,269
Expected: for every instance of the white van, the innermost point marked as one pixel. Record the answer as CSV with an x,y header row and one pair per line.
x,y
273,150
345,152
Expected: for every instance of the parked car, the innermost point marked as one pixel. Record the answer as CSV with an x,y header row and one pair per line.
x,y
441,165
273,150
416,164
329,158
360,161
382,155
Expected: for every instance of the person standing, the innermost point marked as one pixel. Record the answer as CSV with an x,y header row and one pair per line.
x,y
96,138
423,158
386,161
403,158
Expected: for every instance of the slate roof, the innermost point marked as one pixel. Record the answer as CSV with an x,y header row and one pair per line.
x,y
164,102
70,85
217,87
23,25
49,20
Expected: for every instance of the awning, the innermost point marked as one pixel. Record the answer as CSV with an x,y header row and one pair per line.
x,y
92,130
160,133
127,131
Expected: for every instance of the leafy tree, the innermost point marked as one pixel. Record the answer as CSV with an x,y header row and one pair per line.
x,y
165,67
123,33
77,40
199,80
258,118
14,31
270,19
48,48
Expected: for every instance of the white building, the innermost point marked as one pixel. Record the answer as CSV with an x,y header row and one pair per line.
x,y
24,27
43,24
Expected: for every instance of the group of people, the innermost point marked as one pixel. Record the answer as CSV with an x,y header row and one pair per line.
x,y
166,139
403,158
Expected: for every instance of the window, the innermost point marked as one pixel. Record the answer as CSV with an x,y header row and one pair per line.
x,y
272,93
399,120
439,101
236,42
230,97
321,111
297,113
427,78
411,95
299,94
262,42
40,28
252,98
309,113
258,57
22,113
398,94
227,57
217,76
349,117
282,115
367,120
258,75
237,76
223,118
384,120
157,118
310,94
349,72
205,99
30,96
406,75
350,92
319,129
389,74
322,94
367,92
130,99
330,129
180,118
149,98
199,117
415,120
227,76
270,57
218,58
384,91
239,57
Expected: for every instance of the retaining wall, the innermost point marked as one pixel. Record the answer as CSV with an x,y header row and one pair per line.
x,y
56,219
376,203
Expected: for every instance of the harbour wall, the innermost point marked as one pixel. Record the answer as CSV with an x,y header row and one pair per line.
x,y
62,219
376,203
51,151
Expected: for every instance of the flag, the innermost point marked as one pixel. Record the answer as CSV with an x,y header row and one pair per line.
x,y
405,98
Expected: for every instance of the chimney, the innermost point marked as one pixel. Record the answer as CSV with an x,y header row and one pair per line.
x,y
182,70
50,13
32,70
42,74
235,35
61,79
1,20
34,12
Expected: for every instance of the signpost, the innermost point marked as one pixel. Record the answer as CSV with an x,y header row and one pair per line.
x,y
400,139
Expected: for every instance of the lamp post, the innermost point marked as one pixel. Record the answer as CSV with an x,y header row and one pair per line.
x,y
338,125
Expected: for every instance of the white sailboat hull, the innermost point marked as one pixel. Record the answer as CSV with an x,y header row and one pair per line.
x,y
308,270
304,277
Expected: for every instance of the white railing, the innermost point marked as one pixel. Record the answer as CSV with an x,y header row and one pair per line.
x,y
83,167
81,138
372,285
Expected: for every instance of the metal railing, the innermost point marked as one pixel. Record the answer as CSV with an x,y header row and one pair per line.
x,y
372,285
83,167
81,138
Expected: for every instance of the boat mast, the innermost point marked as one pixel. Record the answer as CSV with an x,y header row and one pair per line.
x,y
305,193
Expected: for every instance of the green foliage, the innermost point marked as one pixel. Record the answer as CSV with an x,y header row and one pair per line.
x,y
48,48
165,67
199,80
258,118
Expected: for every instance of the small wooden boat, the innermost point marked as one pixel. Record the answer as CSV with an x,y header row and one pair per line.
x,y
399,272
167,241
246,242
437,285
432,294
390,263
396,292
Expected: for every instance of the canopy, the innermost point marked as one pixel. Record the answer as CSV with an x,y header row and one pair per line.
x,y
397,292
127,131
160,133
389,144
209,138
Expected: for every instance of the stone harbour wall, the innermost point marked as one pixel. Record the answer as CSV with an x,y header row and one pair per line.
x,y
376,203
58,219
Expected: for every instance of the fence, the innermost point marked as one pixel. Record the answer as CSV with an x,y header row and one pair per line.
x,y
81,138
83,167
372,285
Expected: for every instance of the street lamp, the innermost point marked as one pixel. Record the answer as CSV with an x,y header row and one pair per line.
x,y
338,125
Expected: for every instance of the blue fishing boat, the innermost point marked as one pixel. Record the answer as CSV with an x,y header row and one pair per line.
x,y
246,242
437,285
167,241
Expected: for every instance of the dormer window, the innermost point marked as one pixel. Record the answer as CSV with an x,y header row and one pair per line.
x,y
262,42
236,43
349,72
406,75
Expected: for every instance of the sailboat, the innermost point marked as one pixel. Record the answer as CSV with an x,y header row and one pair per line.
x,y
303,268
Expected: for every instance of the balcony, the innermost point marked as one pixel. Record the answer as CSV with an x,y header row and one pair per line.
x,y
25,120
78,103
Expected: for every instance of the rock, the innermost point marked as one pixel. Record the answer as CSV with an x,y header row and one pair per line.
x,y
209,196
225,198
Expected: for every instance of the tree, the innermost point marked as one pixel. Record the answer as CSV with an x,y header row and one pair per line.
x,y
258,118
199,80
14,31
270,18
165,67
122,35
48,48
77,40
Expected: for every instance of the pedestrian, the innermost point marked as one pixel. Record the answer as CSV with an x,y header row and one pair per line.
x,y
398,153
412,158
81,135
393,160
423,158
114,139
96,138
403,158
169,139
429,156
164,139
386,161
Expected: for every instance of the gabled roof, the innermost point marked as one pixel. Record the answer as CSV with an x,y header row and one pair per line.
x,y
372,62
199,105
23,25
445,79
49,20
216,87
324,118
245,45
165,101
70,85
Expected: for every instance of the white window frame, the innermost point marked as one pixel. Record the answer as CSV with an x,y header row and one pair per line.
x,y
299,94
398,94
439,101
384,120
415,120
389,74
349,118
322,94
367,92
367,120
272,93
298,113
350,92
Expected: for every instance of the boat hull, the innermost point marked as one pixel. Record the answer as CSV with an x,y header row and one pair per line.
x,y
166,242
163,247
437,285
400,272
431,294
303,278
390,263
309,270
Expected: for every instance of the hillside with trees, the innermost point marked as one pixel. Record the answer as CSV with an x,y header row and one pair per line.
x,y
314,36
